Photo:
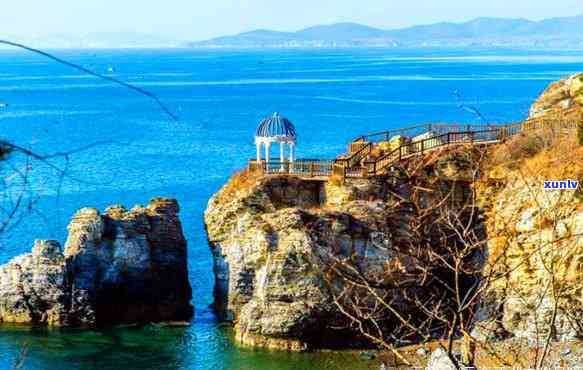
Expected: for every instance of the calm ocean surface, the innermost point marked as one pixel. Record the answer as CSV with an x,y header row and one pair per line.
x,y
220,96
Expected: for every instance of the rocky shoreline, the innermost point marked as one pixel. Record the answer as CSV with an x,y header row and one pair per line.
x,y
123,266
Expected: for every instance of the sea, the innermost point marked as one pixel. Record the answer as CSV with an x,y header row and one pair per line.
x,y
104,144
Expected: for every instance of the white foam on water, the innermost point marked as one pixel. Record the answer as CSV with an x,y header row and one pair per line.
x,y
490,58
414,103
281,81
44,77
36,113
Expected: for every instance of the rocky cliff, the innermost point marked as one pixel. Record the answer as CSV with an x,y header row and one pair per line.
x,y
277,242
123,266
535,234
562,96
536,245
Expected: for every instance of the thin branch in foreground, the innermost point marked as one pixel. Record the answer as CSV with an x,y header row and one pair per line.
x,y
139,90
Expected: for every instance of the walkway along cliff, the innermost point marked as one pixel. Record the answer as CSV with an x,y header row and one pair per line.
x,y
124,266
358,251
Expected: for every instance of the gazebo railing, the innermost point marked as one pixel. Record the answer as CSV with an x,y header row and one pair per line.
x,y
300,167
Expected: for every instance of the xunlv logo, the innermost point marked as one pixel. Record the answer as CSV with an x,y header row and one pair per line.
x,y
562,185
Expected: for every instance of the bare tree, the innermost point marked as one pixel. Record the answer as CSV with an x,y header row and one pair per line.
x,y
448,275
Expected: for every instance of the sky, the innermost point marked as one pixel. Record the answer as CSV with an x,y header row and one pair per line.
x,y
202,19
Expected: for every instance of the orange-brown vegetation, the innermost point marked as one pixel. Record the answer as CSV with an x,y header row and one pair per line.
x,y
547,153
240,181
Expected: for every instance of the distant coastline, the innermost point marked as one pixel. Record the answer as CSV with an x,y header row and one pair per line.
x,y
554,33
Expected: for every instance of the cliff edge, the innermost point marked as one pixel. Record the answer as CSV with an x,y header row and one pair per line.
x,y
280,242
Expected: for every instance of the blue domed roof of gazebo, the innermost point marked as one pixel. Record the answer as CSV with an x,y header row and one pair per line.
x,y
276,126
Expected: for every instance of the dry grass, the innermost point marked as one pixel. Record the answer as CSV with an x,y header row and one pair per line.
x,y
240,181
336,179
523,146
376,152
535,146
543,154
562,160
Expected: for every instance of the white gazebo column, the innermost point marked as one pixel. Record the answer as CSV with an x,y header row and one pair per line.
x,y
258,145
291,152
267,145
281,156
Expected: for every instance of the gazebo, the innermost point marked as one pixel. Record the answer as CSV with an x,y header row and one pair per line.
x,y
275,129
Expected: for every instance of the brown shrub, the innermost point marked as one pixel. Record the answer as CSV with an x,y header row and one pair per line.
x,y
336,179
376,152
240,181
527,145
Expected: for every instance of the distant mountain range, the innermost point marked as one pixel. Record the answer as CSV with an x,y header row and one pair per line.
x,y
554,32
566,32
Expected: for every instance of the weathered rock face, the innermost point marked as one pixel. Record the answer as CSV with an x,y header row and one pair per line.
x,y
119,267
560,96
33,287
268,274
536,254
274,240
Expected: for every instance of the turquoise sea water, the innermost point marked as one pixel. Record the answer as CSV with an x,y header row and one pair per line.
x,y
220,96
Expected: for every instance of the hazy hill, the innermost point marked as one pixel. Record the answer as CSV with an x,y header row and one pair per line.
x,y
555,32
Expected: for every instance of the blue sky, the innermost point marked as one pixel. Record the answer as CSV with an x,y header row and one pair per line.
x,y
201,19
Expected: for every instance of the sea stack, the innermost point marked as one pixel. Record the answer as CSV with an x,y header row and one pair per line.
x,y
123,266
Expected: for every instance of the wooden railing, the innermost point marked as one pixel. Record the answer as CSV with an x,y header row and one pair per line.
x,y
421,146
497,134
412,131
376,137
541,123
355,158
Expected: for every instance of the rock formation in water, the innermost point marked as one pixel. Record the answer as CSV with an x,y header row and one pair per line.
x,y
118,267
274,240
